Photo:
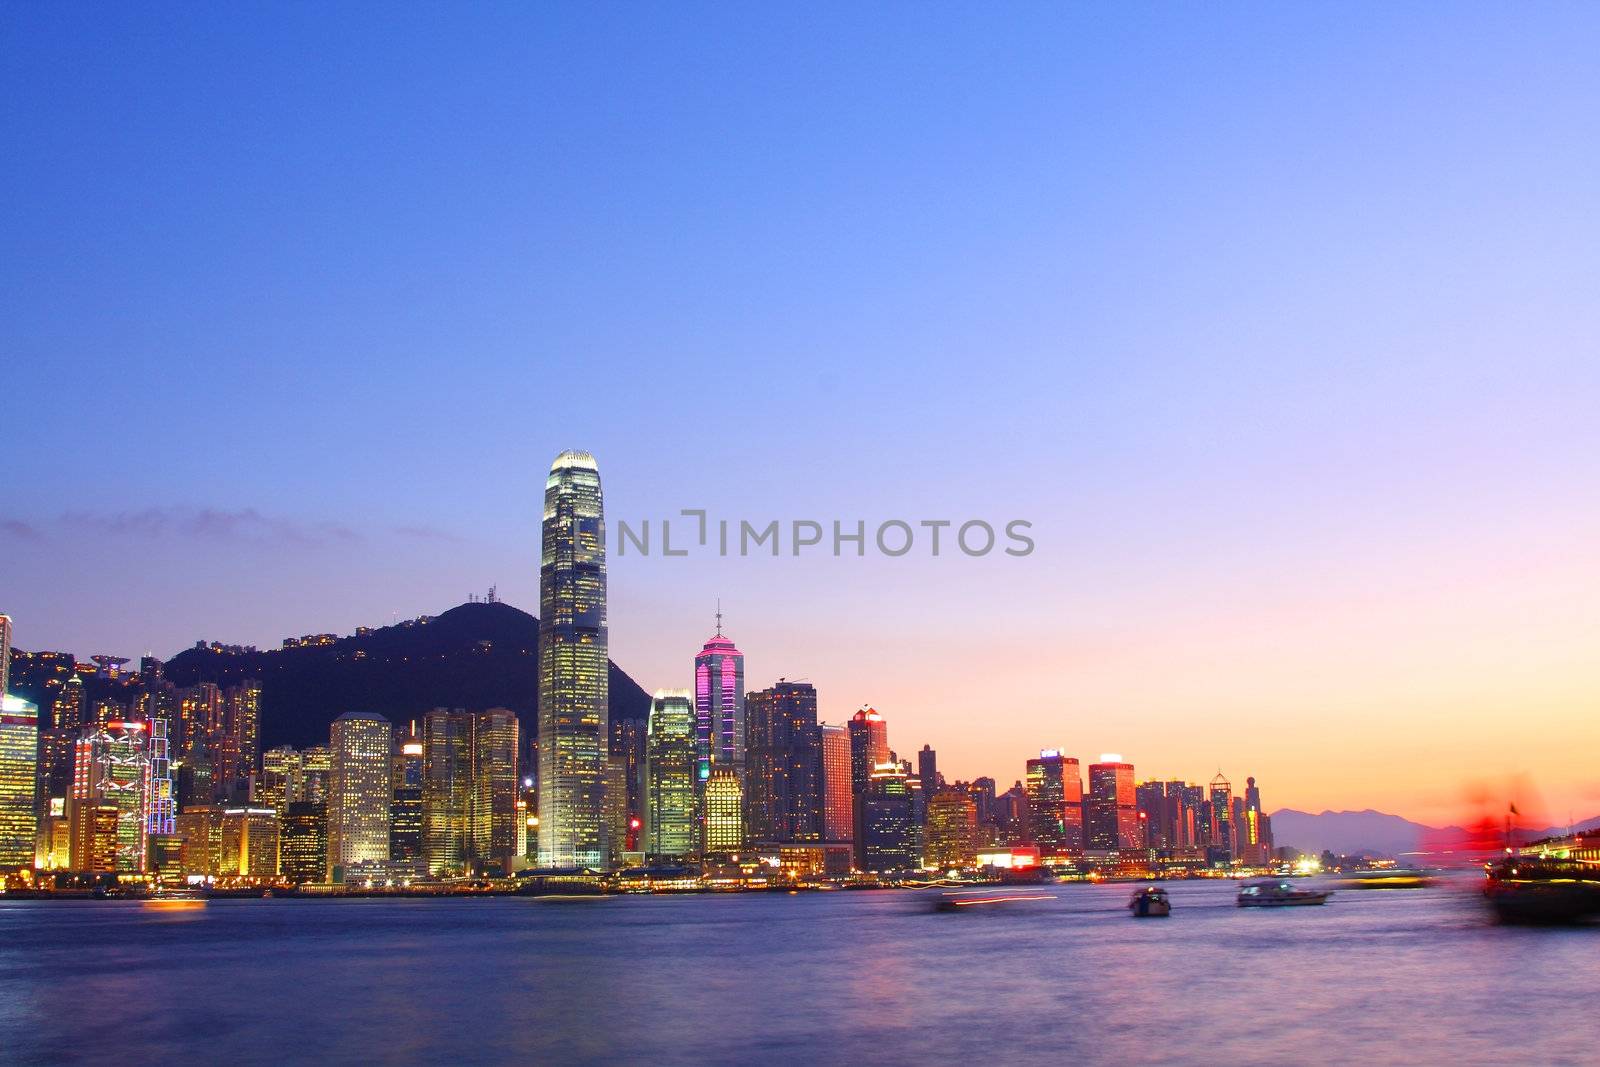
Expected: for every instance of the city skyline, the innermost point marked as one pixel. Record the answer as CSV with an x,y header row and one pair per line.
x,y
1276,329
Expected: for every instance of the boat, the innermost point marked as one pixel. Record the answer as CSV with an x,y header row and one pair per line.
x,y
1150,903
1387,878
1278,893
986,899
1543,891
176,897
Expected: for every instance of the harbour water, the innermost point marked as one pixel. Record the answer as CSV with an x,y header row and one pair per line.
x,y
1408,976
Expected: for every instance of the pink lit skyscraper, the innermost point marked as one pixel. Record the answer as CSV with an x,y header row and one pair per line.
x,y
719,732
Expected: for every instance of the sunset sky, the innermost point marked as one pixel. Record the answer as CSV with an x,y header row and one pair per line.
x,y
1279,326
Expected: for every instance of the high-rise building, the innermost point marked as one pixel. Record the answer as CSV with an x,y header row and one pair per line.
x,y
5,657
304,842
627,748
93,831
238,746
951,831
724,812
200,828
1055,804
406,807
783,766
1219,810
316,774
358,791
888,837
869,747
112,767
446,789
838,802
669,773
68,711
1255,827
928,770
280,781
19,762
719,705
249,842
492,814
573,681
1111,816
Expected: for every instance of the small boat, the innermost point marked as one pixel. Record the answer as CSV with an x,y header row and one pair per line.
x,y
1150,903
1387,878
174,897
1537,890
1277,893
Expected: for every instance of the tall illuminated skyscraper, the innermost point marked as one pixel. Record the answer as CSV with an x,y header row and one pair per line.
x,y
669,772
446,789
724,812
838,804
1220,809
492,814
951,830
719,706
573,685
112,770
19,749
869,747
783,792
359,790
1055,804
1111,817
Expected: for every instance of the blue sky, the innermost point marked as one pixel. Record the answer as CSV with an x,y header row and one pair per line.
x,y
1278,324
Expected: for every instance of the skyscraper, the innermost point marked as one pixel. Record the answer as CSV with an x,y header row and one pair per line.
x,y
888,837
492,815
724,812
19,755
869,747
1220,812
1111,816
719,705
948,841
446,789
670,767
249,842
359,790
783,769
1055,804
838,803
405,808
5,656
303,848
573,684
112,769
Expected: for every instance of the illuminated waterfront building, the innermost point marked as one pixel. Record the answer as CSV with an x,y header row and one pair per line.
x,y
19,762
1111,816
446,789
783,768
200,715
303,842
1055,804
358,791
951,830
249,842
616,809
838,801
161,803
573,682
1220,808
724,812
200,828
492,813
719,705
237,743
889,840
112,767
627,747
280,778
406,807
92,827
669,772
869,747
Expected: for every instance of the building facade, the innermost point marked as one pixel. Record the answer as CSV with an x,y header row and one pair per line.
x,y
671,763
358,791
1055,804
573,665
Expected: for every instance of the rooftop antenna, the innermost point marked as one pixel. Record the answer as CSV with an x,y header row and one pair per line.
x,y
719,616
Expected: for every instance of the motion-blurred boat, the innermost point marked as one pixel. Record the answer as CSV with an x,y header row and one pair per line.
x,y
987,898
1387,878
1536,889
1277,893
1150,903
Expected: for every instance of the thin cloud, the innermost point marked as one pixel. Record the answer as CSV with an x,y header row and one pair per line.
x,y
211,524
427,533
22,531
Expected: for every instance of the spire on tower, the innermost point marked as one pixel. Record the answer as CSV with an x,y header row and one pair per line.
x,y
719,616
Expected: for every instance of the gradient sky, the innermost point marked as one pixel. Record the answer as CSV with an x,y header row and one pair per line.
x,y
1279,325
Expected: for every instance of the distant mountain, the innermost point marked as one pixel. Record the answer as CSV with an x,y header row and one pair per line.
x,y
474,656
1377,833
1347,832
